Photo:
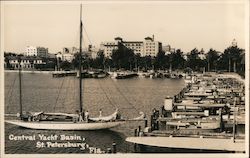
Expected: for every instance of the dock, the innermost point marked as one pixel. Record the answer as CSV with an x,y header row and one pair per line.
x,y
64,73
204,115
223,144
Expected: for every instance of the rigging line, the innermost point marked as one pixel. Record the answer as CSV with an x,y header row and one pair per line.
x,y
10,92
126,98
87,35
10,100
70,90
58,94
74,91
126,88
66,92
107,95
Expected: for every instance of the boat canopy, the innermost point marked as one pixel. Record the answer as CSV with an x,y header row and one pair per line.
x,y
53,114
106,118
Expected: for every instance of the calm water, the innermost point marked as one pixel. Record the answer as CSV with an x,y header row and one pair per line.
x,y
41,92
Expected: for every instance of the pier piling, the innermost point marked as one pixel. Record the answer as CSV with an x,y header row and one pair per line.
x,y
114,147
146,123
109,150
135,134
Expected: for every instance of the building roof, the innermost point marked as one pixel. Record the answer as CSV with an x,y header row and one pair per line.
x,y
24,58
148,38
118,38
110,45
132,42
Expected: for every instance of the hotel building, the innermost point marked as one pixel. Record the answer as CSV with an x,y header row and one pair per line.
x,y
148,47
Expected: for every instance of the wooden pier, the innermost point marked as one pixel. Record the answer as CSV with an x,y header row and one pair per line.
x,y
64,73
207,114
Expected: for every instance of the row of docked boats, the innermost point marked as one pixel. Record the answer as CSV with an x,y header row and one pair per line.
x,y
119,74
210,110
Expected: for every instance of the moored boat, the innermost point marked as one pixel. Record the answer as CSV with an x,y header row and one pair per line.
x,y
199,143
123,75
197,118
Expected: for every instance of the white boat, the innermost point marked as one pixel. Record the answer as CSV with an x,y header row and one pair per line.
x,y
123,75
65,125
223,144
64,121
204,125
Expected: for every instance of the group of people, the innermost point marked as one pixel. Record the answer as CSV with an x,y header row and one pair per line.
x,y
27,116
84,116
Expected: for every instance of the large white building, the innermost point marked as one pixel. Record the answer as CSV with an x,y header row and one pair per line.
x,y
92,52
151,47
67,54
148,47
168,49
36,51
30,51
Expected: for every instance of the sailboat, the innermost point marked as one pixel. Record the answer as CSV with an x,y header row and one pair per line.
x,y
65,121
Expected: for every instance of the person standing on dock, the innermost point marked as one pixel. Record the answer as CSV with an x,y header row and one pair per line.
x,y
80,117
87,116
100,113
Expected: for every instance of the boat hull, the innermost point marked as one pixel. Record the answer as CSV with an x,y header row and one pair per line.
x,y
191,143
52,125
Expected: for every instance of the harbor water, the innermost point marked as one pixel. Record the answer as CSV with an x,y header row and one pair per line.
x,y
42,92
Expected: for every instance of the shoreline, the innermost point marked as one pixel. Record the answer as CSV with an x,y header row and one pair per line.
x,y
36,71
225,74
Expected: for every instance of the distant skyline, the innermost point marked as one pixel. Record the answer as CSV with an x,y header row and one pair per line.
x,y
183,25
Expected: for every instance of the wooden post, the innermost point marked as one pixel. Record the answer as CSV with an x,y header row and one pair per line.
x,y
109,150
152,122
135,147
114,147
135,133
20,89
146,123
221,121
234,121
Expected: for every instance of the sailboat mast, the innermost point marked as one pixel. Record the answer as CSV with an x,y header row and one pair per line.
x,y
20,89
80,63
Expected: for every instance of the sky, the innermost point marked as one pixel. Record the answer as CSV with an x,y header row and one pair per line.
x,y
182,24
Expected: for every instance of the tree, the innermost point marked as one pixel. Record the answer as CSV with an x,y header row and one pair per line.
x,y
160,60
99,62
76,59
212,59
177,59
194,61
65,65
231,59
192,58
123,57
